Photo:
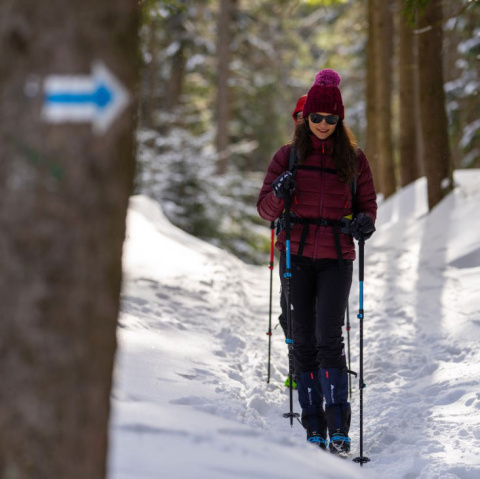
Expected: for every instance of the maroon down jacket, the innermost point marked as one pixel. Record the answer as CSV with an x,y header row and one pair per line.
x,y
318,194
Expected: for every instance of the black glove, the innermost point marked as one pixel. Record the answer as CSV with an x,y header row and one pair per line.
x,y
362,226
284,185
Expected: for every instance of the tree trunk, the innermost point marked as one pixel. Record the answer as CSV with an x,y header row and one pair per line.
x,y
437,157
420,151
150,100
451,40
409,170
383,50
224,37
175,84
63,200
371,148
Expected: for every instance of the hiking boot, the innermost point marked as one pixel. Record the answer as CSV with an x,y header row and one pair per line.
x,y
339,443
310,398
318,439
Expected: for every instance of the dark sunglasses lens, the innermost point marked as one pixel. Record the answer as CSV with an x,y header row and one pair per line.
x,y
316,118
332,119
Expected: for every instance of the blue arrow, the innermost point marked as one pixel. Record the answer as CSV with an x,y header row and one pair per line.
x,y
101,97
97,98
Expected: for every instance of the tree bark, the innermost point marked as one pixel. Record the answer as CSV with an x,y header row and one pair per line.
x,y
371,146
383,51
224,38
175,84
437,158
63,200
150,99
409,170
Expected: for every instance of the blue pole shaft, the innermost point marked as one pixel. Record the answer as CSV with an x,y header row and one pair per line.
x,y
269,332
287,275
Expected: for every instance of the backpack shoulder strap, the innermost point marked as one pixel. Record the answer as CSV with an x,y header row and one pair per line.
x,y
292,160
353,190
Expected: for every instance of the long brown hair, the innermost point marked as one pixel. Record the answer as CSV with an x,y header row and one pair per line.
x,y
344,148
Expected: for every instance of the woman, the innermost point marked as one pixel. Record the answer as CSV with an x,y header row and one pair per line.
x,y
331,179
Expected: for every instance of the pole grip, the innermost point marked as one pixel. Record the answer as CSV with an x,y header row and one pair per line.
x,y
272,237
361,249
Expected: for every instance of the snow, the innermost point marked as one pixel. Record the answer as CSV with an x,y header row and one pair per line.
x,y
190,397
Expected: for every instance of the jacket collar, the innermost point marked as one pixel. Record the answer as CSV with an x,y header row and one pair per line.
x,y
321,145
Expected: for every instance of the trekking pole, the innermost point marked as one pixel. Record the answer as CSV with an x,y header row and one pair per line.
x,y
348,350
361,245
287,275
269,333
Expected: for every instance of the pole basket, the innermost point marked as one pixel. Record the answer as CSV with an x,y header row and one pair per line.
x,y
361,460
291,416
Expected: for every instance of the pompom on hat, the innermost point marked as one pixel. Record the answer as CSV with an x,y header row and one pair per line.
x,y
324,95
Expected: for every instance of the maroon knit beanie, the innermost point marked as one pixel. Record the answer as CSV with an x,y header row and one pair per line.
x,y
324,95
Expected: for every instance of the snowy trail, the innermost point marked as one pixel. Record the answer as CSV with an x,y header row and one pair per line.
x,y
190,396
189,305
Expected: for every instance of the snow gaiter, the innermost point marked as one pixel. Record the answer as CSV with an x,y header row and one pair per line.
x,y
338,413
311,401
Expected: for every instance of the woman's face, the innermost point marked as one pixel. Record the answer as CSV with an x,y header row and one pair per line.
x,y
319,125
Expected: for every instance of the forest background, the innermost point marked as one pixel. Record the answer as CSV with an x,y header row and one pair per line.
x,y
221,78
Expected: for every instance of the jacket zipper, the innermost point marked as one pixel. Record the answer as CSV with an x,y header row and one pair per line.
x,y
322,180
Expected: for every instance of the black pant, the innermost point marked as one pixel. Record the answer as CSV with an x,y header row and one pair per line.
x,y
319,292
282,319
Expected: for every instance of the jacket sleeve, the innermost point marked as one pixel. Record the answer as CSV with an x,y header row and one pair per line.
x,y
268,205
366,200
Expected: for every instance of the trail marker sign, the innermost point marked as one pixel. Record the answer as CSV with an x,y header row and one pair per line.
x,y
97,98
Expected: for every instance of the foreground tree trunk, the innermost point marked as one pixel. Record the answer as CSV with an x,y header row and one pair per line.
x,y
63,201
437,158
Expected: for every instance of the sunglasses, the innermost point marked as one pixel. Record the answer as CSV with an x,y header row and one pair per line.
x,y
330,119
